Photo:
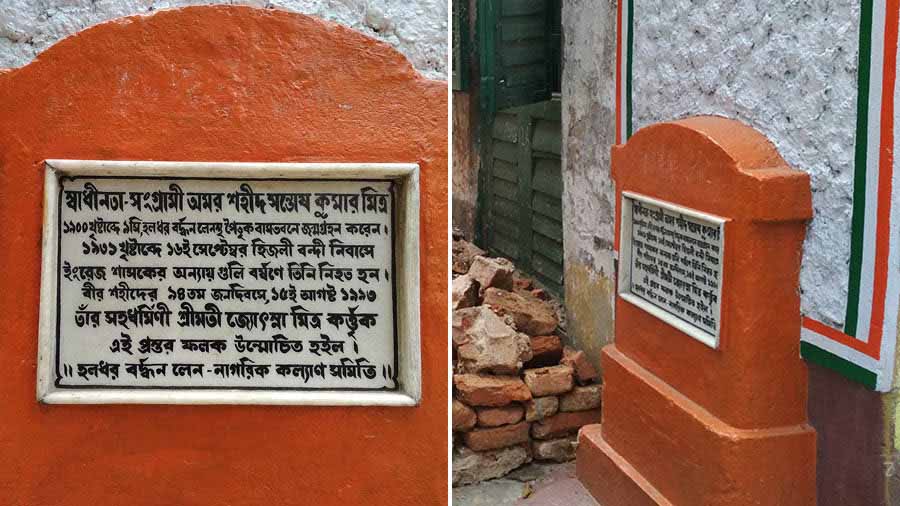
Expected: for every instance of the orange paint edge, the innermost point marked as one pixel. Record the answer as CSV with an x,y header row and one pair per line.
x,y
836,335
616,228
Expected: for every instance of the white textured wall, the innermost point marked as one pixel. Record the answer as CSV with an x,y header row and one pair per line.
x,y
787,68
417,28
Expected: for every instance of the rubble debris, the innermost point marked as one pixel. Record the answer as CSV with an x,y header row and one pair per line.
x,y
519,393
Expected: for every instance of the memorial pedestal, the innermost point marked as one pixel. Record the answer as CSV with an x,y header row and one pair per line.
x,y
707,407
680,448
211,93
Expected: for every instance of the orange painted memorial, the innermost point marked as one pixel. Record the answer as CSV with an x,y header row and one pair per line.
x,y
684,422
217,84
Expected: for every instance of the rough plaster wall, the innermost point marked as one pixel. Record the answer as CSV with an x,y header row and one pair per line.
x,y
588,124
786,68
465,163
417,28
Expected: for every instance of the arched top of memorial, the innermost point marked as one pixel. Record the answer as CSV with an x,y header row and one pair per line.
x,y
714,164
221,82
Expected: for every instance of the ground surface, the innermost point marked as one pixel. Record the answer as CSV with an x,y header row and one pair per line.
x,y
531,485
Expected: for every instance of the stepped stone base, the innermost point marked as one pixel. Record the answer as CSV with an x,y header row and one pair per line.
x,y
609,477
657,447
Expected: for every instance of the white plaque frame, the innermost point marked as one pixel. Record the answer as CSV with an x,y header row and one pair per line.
x,y
406,278
624,289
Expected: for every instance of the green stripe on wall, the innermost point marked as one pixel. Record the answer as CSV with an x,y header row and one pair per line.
x,y
859,177
844,367
629,47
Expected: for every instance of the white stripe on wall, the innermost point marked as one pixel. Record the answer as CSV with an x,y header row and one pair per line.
x,y
892,293
867,274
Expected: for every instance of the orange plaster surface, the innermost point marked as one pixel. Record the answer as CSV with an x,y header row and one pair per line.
x,y
683,423
217,84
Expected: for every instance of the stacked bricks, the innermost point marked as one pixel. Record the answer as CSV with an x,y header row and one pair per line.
x,y
519,393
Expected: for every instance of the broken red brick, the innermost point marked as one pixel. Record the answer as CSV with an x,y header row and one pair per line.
x,y
579,362
464,292
484,342
464,417
531,315
492,272
503,415
484,390
549,380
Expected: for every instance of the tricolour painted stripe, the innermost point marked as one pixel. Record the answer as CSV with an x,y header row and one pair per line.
x,y
624,24
881,319
885,175
624,44
838,363
836,336
869,337
860,156
865,282
892,287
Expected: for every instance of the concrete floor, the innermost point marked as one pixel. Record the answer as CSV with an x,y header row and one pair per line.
x,y
530,485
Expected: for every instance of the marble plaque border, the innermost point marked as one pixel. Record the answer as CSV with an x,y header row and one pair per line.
x,y
625,236
405,177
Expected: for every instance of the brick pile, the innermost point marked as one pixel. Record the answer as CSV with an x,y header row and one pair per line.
x,y
519,394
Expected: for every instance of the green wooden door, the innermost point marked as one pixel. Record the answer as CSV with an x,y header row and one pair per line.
x,y
519,55
520,179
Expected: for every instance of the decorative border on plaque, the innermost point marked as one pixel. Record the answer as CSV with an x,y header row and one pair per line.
x,y
673,281
400,180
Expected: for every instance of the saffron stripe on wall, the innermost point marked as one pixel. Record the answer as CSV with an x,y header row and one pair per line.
x,y
624,73
624,22
885,172
892,287
886,303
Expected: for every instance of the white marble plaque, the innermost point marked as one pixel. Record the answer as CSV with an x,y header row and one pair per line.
x,y
225,284
671,264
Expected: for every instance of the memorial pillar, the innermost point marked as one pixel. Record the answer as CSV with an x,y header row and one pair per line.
x,y
704,399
